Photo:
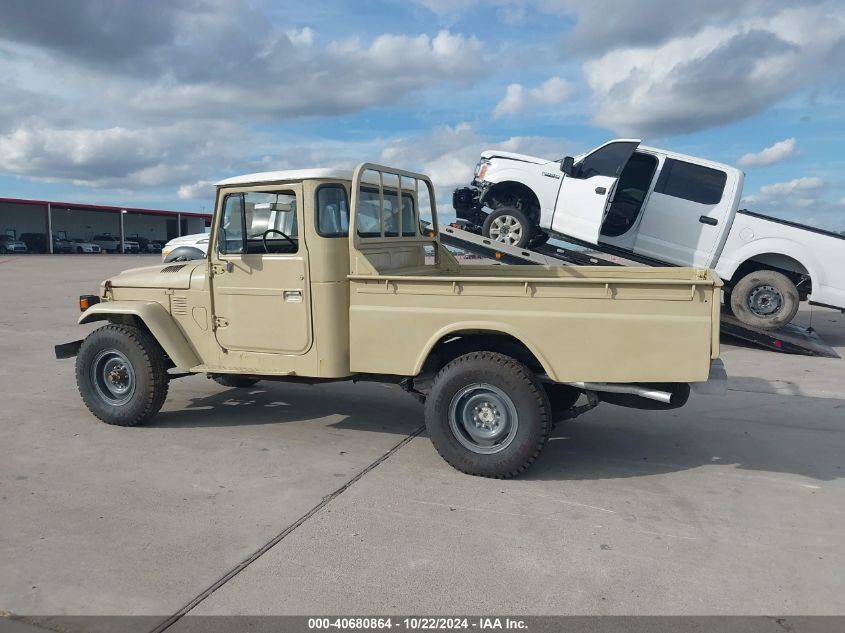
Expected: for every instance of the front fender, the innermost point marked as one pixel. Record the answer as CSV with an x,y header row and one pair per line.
x,y
158,321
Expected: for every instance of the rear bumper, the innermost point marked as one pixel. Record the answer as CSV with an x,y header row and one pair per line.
x,y
717,381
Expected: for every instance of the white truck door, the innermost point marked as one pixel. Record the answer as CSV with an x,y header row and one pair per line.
x,y
686,214
584,196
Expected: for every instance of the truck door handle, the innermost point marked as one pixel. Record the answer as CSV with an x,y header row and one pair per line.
x,y
292,296
601,191
708,220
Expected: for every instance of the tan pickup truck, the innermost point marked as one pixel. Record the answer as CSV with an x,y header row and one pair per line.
x,y
497,353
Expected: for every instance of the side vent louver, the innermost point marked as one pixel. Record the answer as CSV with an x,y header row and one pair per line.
x,y
179,305
173,269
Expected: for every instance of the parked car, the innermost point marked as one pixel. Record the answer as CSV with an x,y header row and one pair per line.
x,y
108,243
186,247
83,246
147,245
131,246
37,243
659,207
11,245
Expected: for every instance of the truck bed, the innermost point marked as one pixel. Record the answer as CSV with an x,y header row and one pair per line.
x,y
602,324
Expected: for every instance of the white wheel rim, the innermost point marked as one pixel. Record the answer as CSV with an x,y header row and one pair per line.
x,y
506,229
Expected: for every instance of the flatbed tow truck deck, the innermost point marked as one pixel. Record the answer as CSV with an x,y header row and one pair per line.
x,y
790,339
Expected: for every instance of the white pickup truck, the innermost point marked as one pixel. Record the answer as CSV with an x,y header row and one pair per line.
x,y
659,208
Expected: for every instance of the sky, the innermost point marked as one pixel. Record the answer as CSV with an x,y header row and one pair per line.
x,y
149,103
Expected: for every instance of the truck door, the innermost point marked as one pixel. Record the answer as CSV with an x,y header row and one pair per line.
x,y
259,266
686,214
584,196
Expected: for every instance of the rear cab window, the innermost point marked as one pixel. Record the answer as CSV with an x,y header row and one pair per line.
x,y
332,211
692,182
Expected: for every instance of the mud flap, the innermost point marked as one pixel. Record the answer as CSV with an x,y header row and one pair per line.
x,y
68,350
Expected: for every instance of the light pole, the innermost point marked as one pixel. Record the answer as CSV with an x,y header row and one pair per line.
x,y
122,239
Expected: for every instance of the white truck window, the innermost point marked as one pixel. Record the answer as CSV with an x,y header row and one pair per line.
x,y
607,160
687,181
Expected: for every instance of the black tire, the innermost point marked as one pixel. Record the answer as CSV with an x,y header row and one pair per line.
x,y
561,399
79,249
470,380
765,299
503,224
134,357
235,381
2,250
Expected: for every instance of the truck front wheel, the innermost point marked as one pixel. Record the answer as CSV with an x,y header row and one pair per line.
x,y
509,225
488,415
765,299
121,373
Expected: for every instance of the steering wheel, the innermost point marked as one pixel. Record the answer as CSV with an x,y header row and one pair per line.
x,y
283,234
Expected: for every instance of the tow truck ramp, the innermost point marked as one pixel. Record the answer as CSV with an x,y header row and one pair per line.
x,y
790,339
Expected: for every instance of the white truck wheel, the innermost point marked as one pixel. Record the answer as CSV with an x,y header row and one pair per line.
x,y
508,225
765,299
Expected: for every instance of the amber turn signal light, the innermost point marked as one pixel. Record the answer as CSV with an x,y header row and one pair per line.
x,y
86,301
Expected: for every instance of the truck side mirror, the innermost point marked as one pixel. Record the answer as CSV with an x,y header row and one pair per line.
x,y
567,165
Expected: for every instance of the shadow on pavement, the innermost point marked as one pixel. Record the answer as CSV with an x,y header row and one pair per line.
x,y
791,436
371,407
785,439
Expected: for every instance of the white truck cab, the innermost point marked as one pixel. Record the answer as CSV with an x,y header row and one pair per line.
x,y
661,208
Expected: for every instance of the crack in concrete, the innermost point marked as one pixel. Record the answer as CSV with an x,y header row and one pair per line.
x,y
229,575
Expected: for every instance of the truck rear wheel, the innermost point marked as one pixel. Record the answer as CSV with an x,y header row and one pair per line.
x,y
509,225
121,373
488,415
765,299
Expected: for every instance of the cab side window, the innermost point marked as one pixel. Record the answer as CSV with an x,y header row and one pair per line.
x,y
259,222
231,235
605,161
687,181
332,211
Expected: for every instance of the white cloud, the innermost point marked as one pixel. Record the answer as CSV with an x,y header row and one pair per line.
x,y
295,77
200,190
790,187
717,75
116,157
769,156
518,99
301,37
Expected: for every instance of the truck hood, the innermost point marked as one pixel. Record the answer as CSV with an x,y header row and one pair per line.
x,y
176,275
187,239
494,153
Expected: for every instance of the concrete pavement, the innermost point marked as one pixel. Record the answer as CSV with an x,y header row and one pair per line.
x,y
730,505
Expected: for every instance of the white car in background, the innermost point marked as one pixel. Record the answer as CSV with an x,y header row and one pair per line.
x,y
185,247
78,245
